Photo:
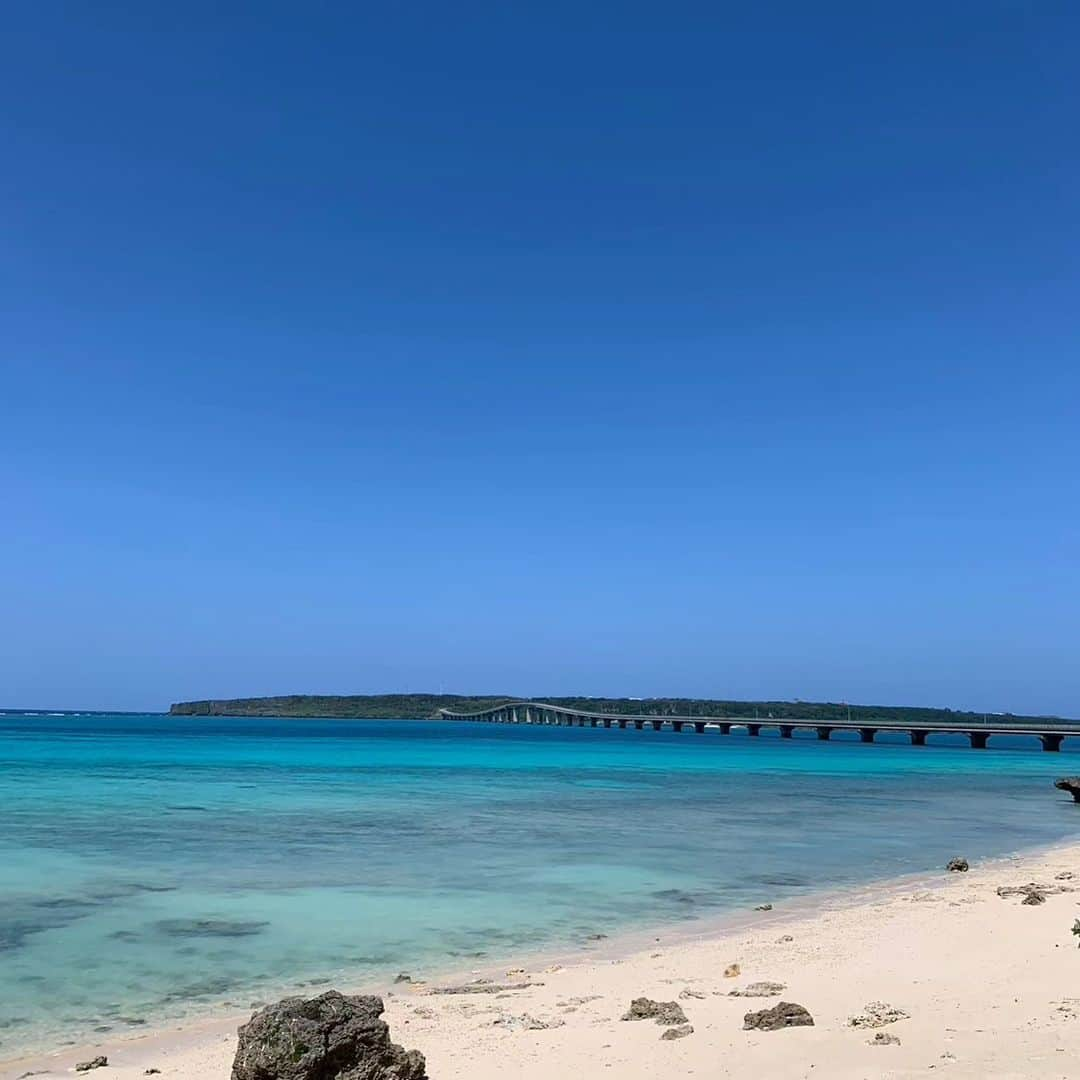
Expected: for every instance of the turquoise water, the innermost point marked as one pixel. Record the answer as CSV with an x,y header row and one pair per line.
x,y
155,867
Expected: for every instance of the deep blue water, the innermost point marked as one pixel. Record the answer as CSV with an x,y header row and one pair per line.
x,y
152,867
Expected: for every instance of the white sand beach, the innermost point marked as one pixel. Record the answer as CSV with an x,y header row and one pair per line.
x,y
990,986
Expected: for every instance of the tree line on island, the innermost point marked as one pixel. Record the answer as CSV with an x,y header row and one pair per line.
x,y
427,706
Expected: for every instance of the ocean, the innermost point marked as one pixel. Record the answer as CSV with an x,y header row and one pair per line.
x,y
153,868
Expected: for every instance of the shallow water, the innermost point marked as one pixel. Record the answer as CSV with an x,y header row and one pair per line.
x,y
153,867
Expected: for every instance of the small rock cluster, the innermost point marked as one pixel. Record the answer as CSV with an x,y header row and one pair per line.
x,y
758,989
1033,892
877,1014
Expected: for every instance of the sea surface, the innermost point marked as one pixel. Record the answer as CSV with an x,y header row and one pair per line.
x,y
155,867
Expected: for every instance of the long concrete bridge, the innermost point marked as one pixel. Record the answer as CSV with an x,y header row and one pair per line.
x,y
1050,735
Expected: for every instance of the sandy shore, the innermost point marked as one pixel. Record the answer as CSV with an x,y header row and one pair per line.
x,y
991,988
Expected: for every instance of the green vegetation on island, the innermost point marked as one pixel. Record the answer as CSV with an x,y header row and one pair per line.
x,y
427,706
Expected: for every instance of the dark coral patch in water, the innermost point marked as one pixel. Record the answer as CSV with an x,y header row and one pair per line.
x,y
210,928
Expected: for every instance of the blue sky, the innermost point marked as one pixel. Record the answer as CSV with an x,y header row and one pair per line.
x,y
704,349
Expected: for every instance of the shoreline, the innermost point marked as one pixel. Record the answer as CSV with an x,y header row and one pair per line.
x,y
669,958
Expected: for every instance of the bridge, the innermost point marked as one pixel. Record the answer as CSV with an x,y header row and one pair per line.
x,y
1050,734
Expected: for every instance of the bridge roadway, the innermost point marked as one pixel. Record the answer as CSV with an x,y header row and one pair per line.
x,y
536,712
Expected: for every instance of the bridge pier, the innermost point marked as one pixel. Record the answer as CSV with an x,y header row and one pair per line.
x,y
786,730
639,724
866,734
753,729
622,725
725,729
824,733
1051,742
978,739
918,738
677,725
699,727
656,724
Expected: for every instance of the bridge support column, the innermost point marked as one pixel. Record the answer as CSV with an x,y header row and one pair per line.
x,y
607,721
657,724
725,729
918,738
824,733
1051,742
785,731
593,721
699,727
978,739
867,734
583,720
677,725
639,724
753,729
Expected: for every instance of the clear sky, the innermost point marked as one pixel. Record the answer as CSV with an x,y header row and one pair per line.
x,y
704,349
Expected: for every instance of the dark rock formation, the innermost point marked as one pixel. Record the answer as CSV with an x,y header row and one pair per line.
x,y
957,865
1071,784
763,907
96,1063
679,1032
330,1037
667,1013
786,1014
1033,898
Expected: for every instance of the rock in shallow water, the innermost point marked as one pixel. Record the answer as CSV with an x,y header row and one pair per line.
x,y
1071,784
784,1015
330,1037
957,865
96,1063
